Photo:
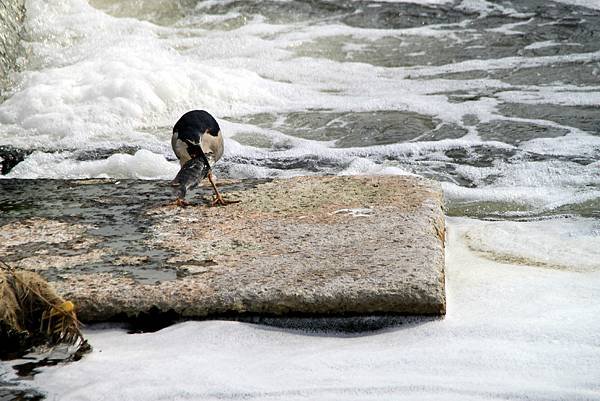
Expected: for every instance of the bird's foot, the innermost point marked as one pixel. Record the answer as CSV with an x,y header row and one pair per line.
x,y
181,202
219,201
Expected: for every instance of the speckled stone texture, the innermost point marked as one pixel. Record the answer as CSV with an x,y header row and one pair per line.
x,y
308,245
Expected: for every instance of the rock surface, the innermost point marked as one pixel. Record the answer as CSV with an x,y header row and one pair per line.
x,y
307,245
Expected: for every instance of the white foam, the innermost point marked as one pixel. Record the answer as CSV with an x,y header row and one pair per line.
x,y
580,144
363,166
110,76
506,63
142,165
427,2
548,174
593,4
536,186
589,96
570,244
508,29
511,332
484,8
548,43
520,200
105,79
98,81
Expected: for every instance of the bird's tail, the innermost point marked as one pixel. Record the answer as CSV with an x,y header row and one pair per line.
x,y
190,175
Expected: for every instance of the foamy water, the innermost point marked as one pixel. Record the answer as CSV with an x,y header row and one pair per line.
x,y
513,332
472,93
497,100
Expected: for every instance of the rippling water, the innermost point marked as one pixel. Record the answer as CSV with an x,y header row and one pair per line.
x,y
499,101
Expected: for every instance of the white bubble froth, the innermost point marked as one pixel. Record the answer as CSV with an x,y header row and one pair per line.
x,y
97,81
512,331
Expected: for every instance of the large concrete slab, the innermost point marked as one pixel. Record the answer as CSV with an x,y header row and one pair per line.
x,y
307,245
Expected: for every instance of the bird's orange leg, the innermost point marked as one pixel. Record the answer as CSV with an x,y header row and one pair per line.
x,y
218,198
181,202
